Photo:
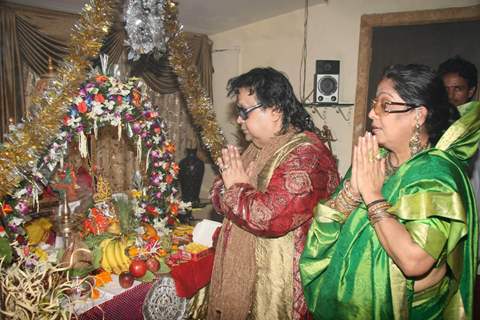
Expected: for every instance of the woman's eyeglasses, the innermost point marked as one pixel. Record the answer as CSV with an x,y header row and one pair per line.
x,y
243,112
384,106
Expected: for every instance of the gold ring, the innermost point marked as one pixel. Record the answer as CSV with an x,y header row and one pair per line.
x,y
370,157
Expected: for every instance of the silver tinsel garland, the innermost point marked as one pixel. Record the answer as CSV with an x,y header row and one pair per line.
x,y
144,26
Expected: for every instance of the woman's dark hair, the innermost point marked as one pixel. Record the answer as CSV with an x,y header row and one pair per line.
x,y
420,85
273,90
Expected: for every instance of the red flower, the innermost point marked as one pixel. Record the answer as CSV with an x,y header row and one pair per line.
x,y
101,78
174,208
6,208
170,221
169,179
152,210
175,167
119,99
66,119
157,130
82,107
99,98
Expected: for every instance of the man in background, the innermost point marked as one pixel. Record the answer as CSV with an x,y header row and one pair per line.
x,y
460,78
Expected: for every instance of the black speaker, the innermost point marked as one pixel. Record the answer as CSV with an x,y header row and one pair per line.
x,y
326,81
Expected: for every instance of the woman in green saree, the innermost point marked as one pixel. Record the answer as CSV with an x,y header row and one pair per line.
x,y
398,240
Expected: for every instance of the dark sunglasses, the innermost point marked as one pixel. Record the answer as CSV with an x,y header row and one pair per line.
x,y
243,112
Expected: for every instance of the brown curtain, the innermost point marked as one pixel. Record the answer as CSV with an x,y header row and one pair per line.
x,y
30,35
12,102
157,73
24,43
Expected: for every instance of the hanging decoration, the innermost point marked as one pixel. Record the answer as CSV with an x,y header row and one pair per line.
x,y
28,140
199,104
144,27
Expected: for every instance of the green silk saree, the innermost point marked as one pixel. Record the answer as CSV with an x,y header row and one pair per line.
x,y
346,273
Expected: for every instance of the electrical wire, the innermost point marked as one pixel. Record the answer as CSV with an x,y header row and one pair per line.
x,y
303,59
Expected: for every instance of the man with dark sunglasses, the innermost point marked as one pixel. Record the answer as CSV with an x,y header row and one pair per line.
x,y
266,195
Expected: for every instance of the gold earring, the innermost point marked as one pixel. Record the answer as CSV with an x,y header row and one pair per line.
x,y
415,144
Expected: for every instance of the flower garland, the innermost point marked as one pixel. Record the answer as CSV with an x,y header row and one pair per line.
x,y
107,101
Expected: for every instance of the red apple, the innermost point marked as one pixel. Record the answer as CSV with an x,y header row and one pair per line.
x,y
153,264
138,268
126,279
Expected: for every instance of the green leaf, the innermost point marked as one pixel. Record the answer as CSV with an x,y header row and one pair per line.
x,y
148,277
96,257
125,216
81,272
93,241
163,266
6,251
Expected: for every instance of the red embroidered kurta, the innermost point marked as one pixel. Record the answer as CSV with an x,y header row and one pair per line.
x,y
307,175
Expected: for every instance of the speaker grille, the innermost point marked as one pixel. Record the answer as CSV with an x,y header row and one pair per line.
x,y
327,85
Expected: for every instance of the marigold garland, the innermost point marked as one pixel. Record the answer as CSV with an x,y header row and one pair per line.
x,y
198,103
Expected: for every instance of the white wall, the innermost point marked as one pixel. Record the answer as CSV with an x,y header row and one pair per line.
x,y
333,33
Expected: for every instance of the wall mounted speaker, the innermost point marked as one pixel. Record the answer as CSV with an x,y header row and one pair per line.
x,y
326,81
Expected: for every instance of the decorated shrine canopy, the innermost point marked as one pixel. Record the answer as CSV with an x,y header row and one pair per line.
x,y
36,146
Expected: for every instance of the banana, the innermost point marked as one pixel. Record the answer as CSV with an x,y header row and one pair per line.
x,y
119,256
123,257
110,255
104,262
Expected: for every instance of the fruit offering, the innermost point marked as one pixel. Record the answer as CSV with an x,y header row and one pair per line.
x,y
114,258
138,268
153,264
194,247
126,279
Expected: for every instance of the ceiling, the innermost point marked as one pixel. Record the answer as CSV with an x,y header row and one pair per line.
x,y
204,16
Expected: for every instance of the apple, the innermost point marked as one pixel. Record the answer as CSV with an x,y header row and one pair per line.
x,y
138,268
153,264
126,279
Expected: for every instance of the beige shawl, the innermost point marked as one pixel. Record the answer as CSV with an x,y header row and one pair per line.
x,y
233,277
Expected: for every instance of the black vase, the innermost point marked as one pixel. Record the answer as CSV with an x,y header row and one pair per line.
x,y
191,176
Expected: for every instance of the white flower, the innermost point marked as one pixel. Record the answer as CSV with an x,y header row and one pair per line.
x,y
140,230
20,193
97,108
115,121
16,221
156,139
163,187
184,205
77,100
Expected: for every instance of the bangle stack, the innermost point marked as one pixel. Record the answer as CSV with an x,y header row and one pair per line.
x,y
377,210
346,200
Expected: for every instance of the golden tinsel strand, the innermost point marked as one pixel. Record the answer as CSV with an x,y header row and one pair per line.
x,y
198,103
32,141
